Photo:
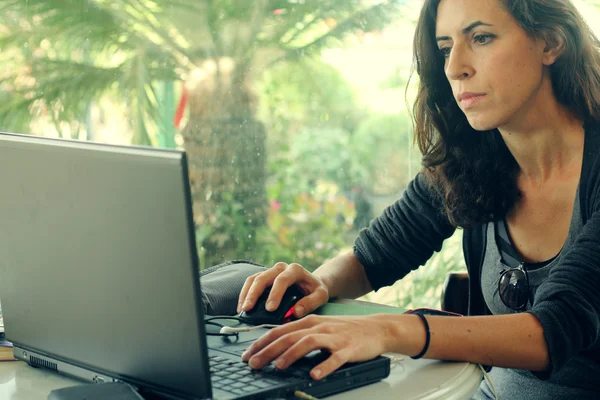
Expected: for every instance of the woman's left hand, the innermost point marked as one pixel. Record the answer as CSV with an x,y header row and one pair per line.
x,y
348,339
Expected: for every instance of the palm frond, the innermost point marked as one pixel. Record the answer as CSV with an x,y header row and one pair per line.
x,y
93,25
65,84
374,17
73,23
293,20
143,100
64,88
19,117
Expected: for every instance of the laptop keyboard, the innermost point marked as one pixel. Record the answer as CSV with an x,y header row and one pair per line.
x,y
237,377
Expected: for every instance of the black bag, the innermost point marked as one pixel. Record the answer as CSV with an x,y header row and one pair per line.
x,y
221,285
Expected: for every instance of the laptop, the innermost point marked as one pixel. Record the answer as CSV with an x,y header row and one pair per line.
x,y
99,276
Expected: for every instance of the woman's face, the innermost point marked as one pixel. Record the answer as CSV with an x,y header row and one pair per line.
x,y
495,70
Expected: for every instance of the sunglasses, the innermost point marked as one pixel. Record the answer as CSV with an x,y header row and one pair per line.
x,y
513,287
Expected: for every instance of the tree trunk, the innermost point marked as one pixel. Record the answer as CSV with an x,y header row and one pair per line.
x,y
226,149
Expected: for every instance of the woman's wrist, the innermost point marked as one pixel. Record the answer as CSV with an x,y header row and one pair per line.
x,y
402,333
344,276
427,338
327,283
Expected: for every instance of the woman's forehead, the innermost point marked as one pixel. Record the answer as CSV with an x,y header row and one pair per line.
x,y
454,16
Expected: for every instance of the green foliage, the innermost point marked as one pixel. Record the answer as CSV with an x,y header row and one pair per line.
x,y
383,153
318,130
306,107
306,93
229,222
312,230
307,229
319,154
309,110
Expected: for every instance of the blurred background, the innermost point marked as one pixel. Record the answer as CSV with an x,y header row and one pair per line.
x,y
294,113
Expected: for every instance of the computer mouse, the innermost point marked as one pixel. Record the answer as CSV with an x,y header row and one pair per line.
x,y
284,313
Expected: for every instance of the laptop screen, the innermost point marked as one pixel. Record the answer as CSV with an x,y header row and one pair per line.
x,y
99,266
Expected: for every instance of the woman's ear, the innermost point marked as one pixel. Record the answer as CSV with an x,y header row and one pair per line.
x,y
555,45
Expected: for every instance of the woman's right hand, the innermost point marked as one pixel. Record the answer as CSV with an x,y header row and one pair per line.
x,y
281,276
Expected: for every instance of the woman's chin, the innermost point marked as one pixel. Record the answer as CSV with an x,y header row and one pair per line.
x,y
479,123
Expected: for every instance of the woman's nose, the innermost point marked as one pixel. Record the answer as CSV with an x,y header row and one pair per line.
x,y
458,64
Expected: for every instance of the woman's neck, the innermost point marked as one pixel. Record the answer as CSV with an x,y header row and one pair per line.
x,y
547,144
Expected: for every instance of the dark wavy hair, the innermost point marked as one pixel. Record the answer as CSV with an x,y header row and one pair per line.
x,y
474,172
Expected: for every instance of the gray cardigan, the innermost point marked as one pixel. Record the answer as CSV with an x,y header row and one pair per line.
x,y
567,304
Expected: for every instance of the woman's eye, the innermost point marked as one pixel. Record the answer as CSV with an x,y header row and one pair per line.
x,y
483,39
479,39
445,51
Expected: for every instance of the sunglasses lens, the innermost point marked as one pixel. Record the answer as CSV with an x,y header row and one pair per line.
x,y
513,289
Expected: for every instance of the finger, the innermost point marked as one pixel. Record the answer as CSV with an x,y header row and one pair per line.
x,y
281,283
268,338
260,282
331,364
311,302
276,333
300,341
306,344
244,291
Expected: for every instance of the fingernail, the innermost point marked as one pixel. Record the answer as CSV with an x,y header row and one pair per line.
x,y
271,306
317,373
254,362
300,311
245,355
279,363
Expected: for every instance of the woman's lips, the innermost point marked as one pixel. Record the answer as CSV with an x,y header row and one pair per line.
x,y
470,101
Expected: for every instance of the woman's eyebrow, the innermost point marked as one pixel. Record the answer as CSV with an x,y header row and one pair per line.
x,y
466,30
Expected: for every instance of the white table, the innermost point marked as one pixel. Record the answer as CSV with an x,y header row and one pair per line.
x,y
409,379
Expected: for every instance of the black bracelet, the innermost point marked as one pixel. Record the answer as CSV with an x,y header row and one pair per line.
x,y
427,337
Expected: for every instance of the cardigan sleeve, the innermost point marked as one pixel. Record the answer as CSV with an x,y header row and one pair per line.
x,y
404,236
567,304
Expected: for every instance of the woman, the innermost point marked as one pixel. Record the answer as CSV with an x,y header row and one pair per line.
x,y
507,119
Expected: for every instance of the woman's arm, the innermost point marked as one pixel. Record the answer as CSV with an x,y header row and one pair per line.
x,y
509,341
514,341
404,236
344,277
